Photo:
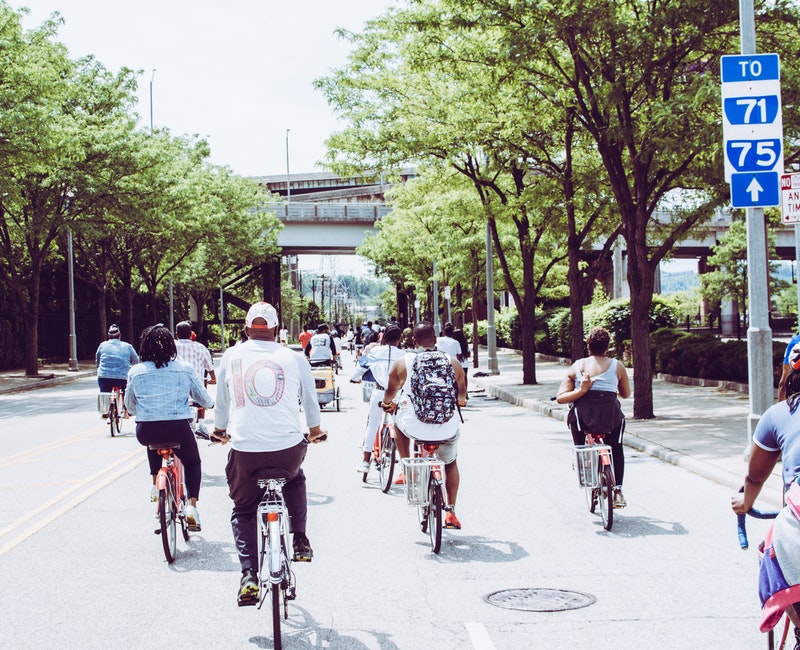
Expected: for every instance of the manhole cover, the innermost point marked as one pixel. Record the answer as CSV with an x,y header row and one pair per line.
x,y
540,600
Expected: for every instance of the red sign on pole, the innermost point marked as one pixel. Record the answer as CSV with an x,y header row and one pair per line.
x,y
790,198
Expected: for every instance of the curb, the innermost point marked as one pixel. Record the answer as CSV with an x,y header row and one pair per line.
x,y
677,458
45,382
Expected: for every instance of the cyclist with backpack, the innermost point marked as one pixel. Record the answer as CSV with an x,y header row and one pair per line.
x,y
425,389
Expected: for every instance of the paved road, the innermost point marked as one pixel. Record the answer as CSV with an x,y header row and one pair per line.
x,y
82,569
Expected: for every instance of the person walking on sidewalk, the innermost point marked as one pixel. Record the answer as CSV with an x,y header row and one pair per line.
x,y
591,387
113,360
261,386
428,384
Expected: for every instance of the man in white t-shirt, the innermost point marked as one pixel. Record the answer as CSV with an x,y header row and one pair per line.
x,y
408,424
259,385
321,348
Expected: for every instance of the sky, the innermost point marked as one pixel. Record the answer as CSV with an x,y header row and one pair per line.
x,y
237,73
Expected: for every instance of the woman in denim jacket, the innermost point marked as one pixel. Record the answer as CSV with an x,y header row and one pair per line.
x,y
158,395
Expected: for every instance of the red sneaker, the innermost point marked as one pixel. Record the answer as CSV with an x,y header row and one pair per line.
x,y
401,479
451,521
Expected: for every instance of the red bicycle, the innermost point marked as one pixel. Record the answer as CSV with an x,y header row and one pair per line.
x,y
384,451
115,409
171,498
596,475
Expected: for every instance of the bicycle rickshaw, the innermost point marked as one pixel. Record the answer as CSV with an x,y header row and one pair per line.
x,y
325,382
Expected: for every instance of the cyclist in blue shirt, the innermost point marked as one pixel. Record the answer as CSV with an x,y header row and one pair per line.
x,y
114,359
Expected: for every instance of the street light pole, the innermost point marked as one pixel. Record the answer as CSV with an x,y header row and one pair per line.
x,y
73,346
288,185
759,334
491,332
153,74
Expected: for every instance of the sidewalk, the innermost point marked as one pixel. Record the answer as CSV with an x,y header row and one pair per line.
x,y
700,428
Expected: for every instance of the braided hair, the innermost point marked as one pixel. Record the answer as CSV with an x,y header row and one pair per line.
x,y
157,345
792,387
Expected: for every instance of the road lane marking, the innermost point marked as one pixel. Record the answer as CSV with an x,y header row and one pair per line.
x,y
95,482
479,636
26,455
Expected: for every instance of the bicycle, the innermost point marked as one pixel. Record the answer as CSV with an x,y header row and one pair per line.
x,y
384,451
744,544
171,498
115,405
275,576
595,468
424,488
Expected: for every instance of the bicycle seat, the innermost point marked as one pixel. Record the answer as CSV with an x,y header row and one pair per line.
x,y
271,472
164,445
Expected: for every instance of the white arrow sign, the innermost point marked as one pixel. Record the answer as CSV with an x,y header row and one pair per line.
x,y
754,189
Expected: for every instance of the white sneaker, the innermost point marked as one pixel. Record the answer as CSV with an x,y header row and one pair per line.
x,y
153,494
192,518
363,467
201,428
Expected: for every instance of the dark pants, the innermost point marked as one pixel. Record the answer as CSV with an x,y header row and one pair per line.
x,y
106,384
613,440
247,495
152,433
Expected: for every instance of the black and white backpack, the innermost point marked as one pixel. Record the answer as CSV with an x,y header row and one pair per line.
x,y
433,387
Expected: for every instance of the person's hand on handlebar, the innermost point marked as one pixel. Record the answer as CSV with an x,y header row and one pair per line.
x,y
389,407
737,504
219,436
317,434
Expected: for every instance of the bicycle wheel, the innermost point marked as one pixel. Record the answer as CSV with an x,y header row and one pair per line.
x,y
166,517
386,460
591,498
113,418
605,497
182,519
276,616
434,516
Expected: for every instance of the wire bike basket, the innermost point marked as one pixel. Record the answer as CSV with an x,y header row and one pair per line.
x,y
417,471
586,464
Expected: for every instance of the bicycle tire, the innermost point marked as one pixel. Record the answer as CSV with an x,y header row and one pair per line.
x,y
166,517
277,642
184,525
386,460
591,499
605,497
113,418
435,507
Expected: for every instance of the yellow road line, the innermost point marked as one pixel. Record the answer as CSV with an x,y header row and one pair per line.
x,y
95,482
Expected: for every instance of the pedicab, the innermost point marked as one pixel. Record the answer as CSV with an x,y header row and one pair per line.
x,y
325,382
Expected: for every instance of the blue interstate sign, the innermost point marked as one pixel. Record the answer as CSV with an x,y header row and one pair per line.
x,y
750,67
751,110
755,190
753,155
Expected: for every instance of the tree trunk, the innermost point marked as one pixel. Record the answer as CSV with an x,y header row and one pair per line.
x,y
528,333
640,280
32,331
575,306
101,311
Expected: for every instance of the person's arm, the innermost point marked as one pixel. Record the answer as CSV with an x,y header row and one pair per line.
x,y
761,464
222,406
197,391
130,396
462,386
397,377
97,356
307,349
624,385
567,392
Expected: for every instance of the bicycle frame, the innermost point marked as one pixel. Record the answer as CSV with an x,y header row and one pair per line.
x,y
599,483
171,464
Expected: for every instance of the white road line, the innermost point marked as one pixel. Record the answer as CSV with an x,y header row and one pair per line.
x,y
28,454
95,484
479,636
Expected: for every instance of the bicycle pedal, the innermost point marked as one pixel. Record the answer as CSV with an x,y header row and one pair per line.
x,y
157,531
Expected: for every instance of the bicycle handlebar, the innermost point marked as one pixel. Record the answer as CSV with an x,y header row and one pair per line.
x,y
742,527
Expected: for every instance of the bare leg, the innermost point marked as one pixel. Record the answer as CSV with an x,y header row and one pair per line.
x,y
451,482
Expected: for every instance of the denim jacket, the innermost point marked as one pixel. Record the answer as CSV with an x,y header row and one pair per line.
x,y
114,359
155,394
